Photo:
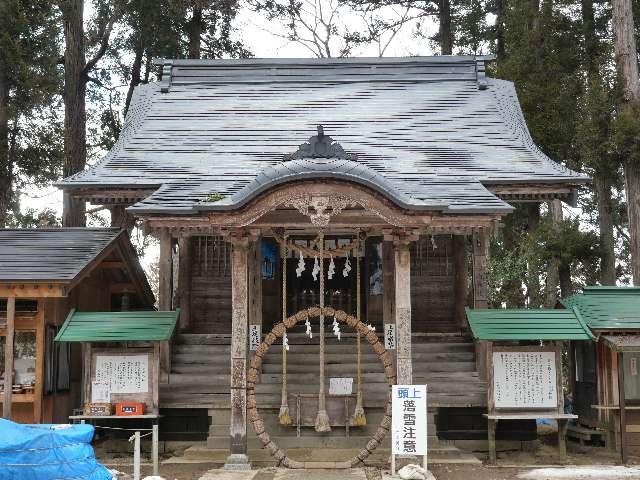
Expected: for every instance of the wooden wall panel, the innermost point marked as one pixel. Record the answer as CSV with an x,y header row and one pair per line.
x,y
210,285
433,299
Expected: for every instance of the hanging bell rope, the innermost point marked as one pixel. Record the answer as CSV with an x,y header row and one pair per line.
x,y
359,418
322,423
284,417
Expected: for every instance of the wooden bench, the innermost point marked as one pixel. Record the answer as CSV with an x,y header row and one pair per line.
x,y
561,418
583,434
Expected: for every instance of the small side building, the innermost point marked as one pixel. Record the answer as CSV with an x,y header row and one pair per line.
x,y
44,273
606,378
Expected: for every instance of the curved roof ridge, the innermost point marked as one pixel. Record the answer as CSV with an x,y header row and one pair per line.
x,y
278,174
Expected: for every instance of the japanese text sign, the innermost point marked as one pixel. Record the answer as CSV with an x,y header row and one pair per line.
x,y
524,380
255,336
390,336
409,420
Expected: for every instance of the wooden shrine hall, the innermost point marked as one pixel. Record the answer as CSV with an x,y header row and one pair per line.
x,y
323,223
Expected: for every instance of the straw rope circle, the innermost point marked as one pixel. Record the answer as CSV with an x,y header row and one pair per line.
x,y
256,361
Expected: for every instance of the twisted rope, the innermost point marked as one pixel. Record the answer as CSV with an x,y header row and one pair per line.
x,y
359,418
322,423
284,416
315,246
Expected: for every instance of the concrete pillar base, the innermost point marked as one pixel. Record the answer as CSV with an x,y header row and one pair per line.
x,y
237,461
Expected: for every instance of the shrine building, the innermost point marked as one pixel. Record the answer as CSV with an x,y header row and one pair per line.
x,y
323,224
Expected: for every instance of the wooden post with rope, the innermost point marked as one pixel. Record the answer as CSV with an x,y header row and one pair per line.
x,y
359,418
322,423
284,417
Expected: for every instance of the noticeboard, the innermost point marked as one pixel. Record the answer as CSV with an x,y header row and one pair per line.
x,y
525,379
409,420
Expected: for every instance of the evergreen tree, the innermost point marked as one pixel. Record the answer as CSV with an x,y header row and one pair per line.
x,y
29,98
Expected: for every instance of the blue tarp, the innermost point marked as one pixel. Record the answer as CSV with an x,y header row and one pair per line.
x,y
48,452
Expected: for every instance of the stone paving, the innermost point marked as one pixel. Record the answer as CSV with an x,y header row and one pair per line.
x,y
286,474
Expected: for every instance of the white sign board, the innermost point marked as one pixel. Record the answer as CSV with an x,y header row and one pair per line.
x,y
123,373
340,386
255,336
524,380
409,420
100,392
390,336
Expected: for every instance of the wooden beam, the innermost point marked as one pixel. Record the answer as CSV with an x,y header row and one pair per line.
x,y
184,281
8,358
113,264
33,290
123,288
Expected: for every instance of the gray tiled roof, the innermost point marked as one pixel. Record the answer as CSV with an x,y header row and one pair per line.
x,y
430,131
50,254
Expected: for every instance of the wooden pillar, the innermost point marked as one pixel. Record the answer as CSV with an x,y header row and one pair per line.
x,y
255,281
37,396
388,282
238,459
623,414
403,310
460,281
480,280
480,291
184,281
120,218
165,294
8,358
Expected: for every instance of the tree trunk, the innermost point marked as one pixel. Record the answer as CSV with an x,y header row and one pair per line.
x,y
553,274
602,176
566,285
445,28
532,282
605,219
194,32
75,118
136,67
5,167
627,67
500,14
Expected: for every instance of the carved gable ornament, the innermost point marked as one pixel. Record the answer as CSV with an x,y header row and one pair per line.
x,y
320,208
320,146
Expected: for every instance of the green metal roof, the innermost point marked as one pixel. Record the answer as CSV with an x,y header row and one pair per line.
x,y
525,324
608,308
118,326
